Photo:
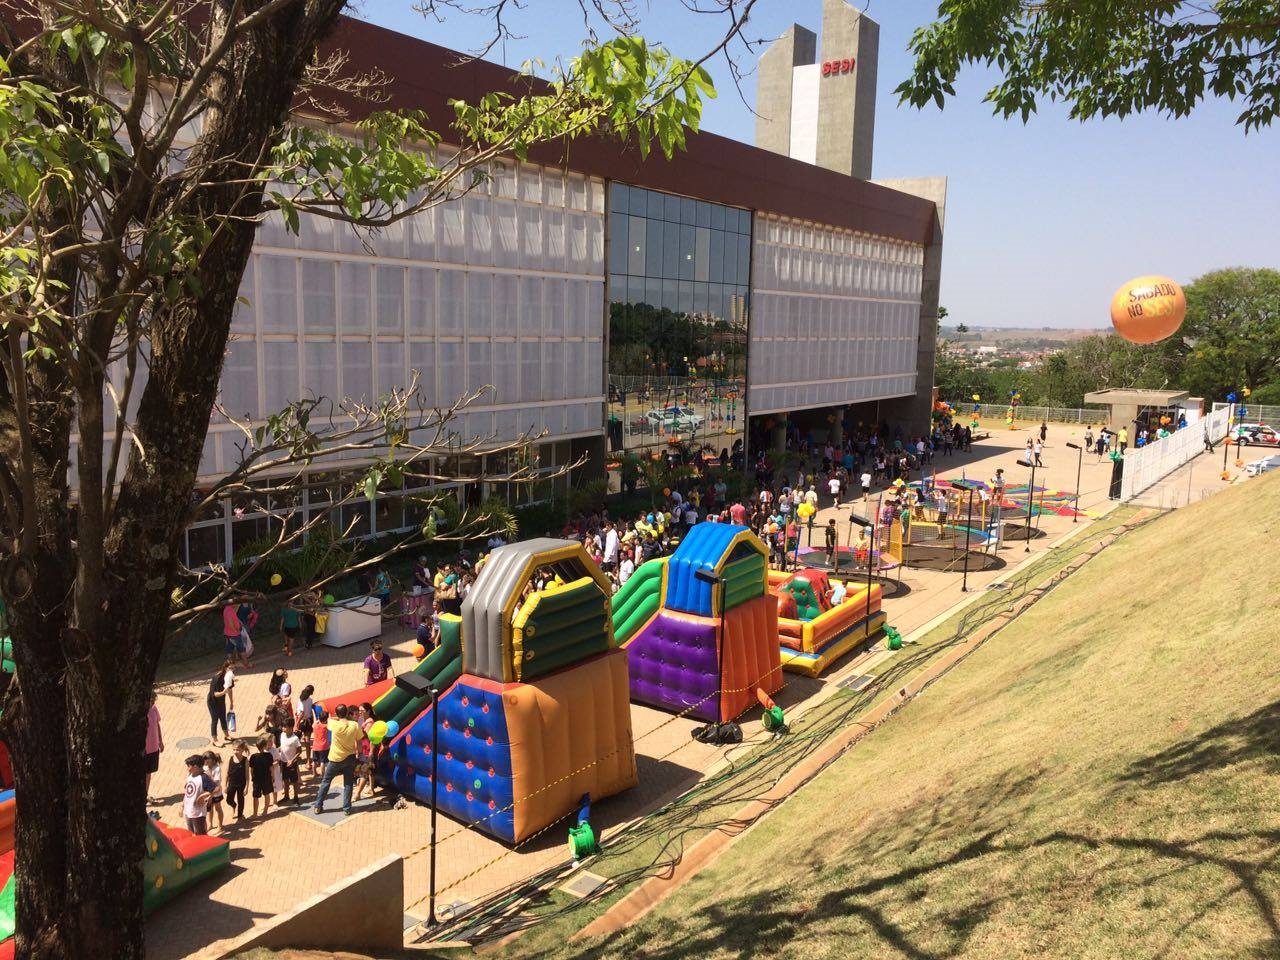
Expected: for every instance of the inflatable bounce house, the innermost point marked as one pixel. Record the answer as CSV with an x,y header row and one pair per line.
x,y
696,647
813,632
534,711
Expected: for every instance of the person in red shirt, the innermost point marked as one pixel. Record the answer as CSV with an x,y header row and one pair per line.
x,y
738,513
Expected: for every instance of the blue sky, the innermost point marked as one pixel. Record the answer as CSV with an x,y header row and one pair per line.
x,y
1044,220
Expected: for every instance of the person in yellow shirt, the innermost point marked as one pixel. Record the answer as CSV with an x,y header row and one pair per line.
x,y
344,739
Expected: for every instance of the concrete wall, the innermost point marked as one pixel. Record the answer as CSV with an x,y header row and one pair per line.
x,y
364,913
796,47
914,412
847,102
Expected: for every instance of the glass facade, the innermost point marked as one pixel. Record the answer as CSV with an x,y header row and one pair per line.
x,y
679,276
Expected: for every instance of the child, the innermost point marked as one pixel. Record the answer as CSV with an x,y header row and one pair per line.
x,y
260,773
320,744
213,770
196,794
272,718
237,778
364,767
290,756
305,721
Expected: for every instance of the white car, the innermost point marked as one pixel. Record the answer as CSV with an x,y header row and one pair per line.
x,y
673,418
1247,434
1258,467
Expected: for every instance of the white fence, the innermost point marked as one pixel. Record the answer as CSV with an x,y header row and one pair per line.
x,y
994,413
1148,465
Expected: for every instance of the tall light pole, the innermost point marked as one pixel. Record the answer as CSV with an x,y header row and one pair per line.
x,y
1079,463
712,578
968,530
419,686
1031,490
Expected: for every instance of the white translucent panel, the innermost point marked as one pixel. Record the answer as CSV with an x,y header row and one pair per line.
x,y
530,306
552,188
531,382
453,302
506,234
390,294
506,321
594,366
553,319
280,374
479,367
451,241
239,385
553,370
554,418
577,199
529,184
349,239
506,373
272,231
479,230
595,309
553,240
595,202
319,300
316,233
244,317
390,361
422,360
320,369
357,370
422,301
504,178
506,424
451,372
577,257
478,426
420,242
479,304
278,289
595,245
355,297
531,242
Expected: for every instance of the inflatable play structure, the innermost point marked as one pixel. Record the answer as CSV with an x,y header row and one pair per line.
x,y
174,860
534,711
695,647
813,632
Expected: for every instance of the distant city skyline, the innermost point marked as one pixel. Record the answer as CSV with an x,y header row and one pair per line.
x,y
1043,221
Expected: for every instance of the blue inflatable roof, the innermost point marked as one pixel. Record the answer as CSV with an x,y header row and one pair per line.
x,y
703,548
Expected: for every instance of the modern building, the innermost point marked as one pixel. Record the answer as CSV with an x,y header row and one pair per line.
x,y
617,304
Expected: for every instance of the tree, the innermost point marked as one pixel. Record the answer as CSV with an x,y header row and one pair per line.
x,y
122,247
1231,336
1104,58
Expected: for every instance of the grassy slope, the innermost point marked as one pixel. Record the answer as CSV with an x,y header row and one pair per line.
x,y
1095,782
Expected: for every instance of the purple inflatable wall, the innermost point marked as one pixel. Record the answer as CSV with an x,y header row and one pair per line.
x,y
672,661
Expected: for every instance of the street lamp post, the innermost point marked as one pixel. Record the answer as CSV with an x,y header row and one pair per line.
x,y
419,686
714,579
1079,464
968,530
1031,491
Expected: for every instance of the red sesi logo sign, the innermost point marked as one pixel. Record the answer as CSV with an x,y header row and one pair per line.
x,y
831,68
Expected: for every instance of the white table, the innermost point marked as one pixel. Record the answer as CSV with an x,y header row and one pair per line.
x,y
352,621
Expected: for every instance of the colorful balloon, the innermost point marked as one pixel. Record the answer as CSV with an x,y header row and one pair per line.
x,y
419,651
276,579
1148,309
393,729
378,732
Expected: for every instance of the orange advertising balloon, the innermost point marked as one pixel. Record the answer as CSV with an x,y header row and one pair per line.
x,y
1148,309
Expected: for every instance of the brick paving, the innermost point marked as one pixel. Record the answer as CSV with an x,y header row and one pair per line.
x,y
284,858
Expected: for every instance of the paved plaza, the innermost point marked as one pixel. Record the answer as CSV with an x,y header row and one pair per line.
x,y
289,855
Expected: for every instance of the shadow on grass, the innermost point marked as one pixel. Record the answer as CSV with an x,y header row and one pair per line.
x,y
759,923
1254,737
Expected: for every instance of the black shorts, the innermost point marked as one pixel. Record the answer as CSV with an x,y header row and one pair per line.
x,y
290,632
152,761
289,773
263,787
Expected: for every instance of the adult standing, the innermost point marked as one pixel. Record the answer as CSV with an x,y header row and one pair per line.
x,y
216,701
344,737
155,742
1044,431
610,551
377,666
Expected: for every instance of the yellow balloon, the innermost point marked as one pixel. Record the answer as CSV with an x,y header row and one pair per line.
x,y
276,579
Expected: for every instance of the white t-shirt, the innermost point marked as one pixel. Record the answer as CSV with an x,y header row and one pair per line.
x,y
866,480
811,496
192,808
690,517
215,774
290,747
834,486
611,545
625,570
228,682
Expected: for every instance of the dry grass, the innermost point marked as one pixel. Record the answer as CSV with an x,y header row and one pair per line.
x,y
1097,781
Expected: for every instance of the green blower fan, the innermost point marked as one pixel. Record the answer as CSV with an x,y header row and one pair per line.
x,y
582,839
772,719
893,638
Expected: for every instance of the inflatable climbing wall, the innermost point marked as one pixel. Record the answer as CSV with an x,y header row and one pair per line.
x,y
539,714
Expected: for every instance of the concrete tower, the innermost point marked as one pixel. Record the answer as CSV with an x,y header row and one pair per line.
x,y
822,109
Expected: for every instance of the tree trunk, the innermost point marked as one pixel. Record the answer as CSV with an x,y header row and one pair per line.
x,y
76,719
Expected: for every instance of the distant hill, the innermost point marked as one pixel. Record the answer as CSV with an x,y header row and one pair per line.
x,y
1017,335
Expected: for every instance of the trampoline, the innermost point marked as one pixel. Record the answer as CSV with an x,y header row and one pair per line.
x,y
932,546
848,567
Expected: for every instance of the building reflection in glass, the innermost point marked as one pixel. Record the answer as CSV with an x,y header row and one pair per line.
x,y
679,275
